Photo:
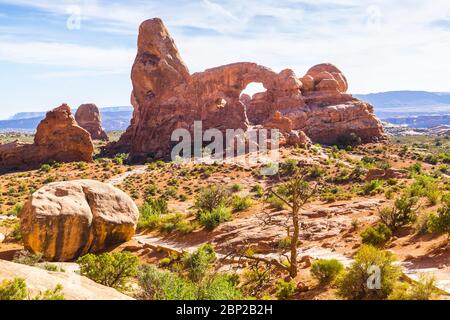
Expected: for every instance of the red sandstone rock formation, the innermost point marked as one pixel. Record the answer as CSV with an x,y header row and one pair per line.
x,y
58,138
166,97
88,117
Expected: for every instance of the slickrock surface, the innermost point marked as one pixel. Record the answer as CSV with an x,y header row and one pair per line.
x,y
88,117
65,220
75,287
58,138
166,97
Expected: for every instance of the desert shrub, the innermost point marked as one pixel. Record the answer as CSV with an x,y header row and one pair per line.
x,y
109,269
211,198
151,212
275,203
289,167
326,271
440,222
15,211
120,158
198,262
354,284
403,212
285,289
316,171
45,168
165,285
373,187
27,258
357,173
219,287
151,190
376,236
424,289
15,289
176,222
416,168
433,196
258,190
52,294
212,219
241,203
157,284
348,140
236,187
422,224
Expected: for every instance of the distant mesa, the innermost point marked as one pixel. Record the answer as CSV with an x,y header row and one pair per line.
x,y
166,96
58,138
88,117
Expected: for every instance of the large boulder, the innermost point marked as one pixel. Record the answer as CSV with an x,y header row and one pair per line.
x,y
65,220
58,138
88,117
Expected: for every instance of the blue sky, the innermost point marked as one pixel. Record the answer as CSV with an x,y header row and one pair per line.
x,y
47,57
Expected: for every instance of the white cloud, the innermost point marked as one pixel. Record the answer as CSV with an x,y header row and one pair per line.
x,y
379,44
115,60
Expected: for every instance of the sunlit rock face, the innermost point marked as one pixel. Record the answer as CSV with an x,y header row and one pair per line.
x,y
166,97
58,139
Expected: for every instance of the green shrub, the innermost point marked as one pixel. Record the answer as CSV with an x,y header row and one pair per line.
x,y
15,289
51,295
275,203
424,289
354,284
198,262
289,167
211,198
377,236
15,211
373,187
151,212
211,220
236,187
285,289
326,271
164,285
316,171
440,222
219,287
45,168
120,158
27,258
403,212
258,190
241,203
109,269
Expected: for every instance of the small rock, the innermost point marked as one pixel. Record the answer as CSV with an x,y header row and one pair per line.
x,y
409,257
301,287
2,237
132,248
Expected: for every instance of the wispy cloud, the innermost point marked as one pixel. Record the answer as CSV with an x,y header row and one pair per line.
x,y
380,44
68,55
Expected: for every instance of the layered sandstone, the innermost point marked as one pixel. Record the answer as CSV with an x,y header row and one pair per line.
x,y
58,138
167,97
65,220
88,117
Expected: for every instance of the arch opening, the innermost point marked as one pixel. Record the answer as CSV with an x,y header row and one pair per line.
x,y
253,88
